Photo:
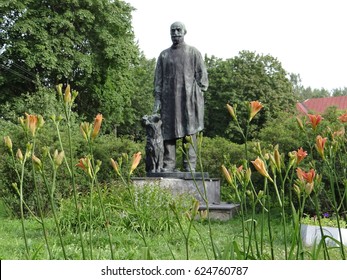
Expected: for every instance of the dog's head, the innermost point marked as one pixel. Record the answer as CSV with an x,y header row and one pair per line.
x,y
152,119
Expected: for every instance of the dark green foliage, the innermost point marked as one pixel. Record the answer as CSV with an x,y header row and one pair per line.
x,y
142,100
217,151
108,146
43,102
239,80
89,44
283,131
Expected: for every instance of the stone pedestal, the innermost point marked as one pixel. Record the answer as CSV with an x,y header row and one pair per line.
x,y
194,184
182,186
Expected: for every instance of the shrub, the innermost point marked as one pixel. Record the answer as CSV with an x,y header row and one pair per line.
x,y
151,211
284,132
109,146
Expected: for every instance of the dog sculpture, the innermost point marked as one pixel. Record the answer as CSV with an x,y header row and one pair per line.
x,y
154,143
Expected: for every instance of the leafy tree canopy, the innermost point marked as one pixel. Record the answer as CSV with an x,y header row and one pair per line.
x,y
239,80
87,43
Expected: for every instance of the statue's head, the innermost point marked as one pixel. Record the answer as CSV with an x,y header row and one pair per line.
x,y
177,32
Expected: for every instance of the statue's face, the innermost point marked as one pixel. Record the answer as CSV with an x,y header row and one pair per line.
x,y
177,32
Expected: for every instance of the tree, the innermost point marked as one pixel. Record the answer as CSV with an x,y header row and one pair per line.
x,y
239,80
142,100
339,91
307,93
87,43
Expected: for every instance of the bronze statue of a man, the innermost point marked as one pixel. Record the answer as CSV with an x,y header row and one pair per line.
x,y
180,79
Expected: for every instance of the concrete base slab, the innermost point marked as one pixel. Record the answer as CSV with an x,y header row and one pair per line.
x,y
182,186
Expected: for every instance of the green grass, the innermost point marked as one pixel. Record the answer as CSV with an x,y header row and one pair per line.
x,y
128,244
164,244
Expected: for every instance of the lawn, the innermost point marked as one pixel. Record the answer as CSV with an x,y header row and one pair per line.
x,y
129,245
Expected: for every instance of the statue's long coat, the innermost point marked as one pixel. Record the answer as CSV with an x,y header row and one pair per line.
x,y
180,78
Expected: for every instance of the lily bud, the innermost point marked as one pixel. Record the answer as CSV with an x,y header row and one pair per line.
x,y
260,166
299,122
248,176
59,89
250,194
189,216
8,142
260,194
15,186
98,165
231,111
195,208
135,162
320,143
67,95
37,162
28,150
58,157
74,95
115,166
85,129
297,190
277,158
97,125
227,175
40,121
45,152
19,155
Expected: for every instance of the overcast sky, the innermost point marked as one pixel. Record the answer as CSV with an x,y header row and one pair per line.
x,y
307,36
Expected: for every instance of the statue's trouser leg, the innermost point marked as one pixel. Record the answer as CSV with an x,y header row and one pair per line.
x,y
169,161
191,154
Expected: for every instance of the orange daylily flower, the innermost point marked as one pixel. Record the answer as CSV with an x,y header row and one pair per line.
x,y
255,107
307,179
320,143
135,162
82,163
305,176
86,165
97,125
300,155
31,123
315,120
260,166
343,118
240,168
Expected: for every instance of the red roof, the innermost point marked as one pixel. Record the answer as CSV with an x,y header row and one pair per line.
x,y
319,105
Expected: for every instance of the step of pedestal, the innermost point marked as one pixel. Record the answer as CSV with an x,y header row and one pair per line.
x,y
222,211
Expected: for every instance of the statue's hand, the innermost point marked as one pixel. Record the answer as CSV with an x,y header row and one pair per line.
x,y
157,106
